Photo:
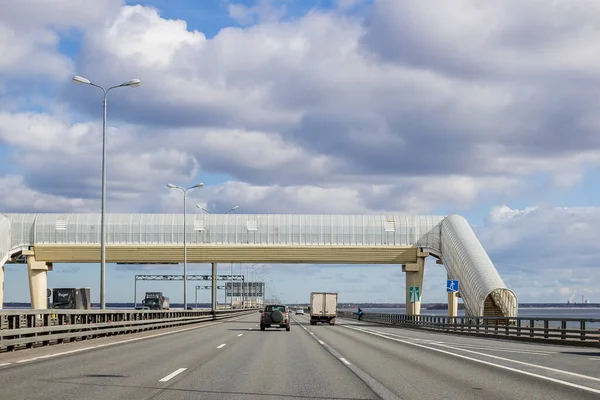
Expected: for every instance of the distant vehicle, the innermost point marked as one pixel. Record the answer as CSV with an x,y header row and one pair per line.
x,y
300,311
275,314
156,301
71,298
323,307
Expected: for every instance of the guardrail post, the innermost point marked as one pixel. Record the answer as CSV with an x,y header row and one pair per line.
x,y
531,328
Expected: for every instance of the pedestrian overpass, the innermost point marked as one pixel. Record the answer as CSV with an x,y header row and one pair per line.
x,y
43,239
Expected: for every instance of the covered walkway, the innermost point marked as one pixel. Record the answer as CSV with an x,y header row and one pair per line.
x,y
43,239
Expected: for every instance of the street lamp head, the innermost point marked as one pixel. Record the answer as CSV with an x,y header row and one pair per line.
x,y
171,186
80,80
198,185
132,83
232,209
203,209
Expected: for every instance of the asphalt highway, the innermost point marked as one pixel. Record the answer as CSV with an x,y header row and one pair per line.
x,y
233,359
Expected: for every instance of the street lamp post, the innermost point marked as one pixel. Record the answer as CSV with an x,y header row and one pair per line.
x,y
130,83
184,190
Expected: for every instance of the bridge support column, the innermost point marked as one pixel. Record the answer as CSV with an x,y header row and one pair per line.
x,y
414,278
1,286
452,298
452,304
213,290
38,282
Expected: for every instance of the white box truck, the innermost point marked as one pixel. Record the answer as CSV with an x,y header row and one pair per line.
x,y
323,307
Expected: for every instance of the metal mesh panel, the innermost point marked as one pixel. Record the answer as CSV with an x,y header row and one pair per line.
x,y
466,260
22,229
369,230
266,229
5,239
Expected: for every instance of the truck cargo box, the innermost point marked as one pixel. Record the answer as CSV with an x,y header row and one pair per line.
x,y
323,307
71,298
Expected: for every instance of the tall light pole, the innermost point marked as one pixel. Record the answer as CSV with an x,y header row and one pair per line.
x,y
130,83
184,190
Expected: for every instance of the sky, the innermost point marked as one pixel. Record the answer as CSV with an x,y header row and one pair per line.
x,y
485,109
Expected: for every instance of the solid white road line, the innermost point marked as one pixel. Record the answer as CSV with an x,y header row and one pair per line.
x,y
560,371
4,364
345,361
462,346
566,383
172,375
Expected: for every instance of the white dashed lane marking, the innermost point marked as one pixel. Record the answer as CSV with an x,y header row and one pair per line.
x,y
172,375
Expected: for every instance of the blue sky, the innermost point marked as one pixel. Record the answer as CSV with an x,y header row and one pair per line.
x,y
338,106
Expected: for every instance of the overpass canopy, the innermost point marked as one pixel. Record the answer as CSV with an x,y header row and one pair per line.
x,y
450,238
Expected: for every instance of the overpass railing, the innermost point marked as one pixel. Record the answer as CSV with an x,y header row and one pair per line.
x,y
552,330
27,328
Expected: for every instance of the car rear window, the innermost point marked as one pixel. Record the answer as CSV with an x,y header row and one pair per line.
x,y
276,308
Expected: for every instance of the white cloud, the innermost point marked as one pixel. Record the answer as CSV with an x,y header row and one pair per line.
x,y
544,252
332,97
17,196
503,38
326,112
140,36
18,49
44,133
275,105
30,32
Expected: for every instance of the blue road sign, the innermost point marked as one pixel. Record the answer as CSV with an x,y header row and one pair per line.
x,y
452,285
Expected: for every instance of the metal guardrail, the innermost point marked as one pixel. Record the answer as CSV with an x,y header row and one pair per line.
x,y
552,330
26,328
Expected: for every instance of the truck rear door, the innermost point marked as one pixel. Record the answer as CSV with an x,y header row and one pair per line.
x,y
318,304
331,304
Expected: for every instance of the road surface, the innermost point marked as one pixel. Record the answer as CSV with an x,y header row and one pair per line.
x,y
233,359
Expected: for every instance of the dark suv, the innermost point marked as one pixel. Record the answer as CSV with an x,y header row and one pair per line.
x,y
277,315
